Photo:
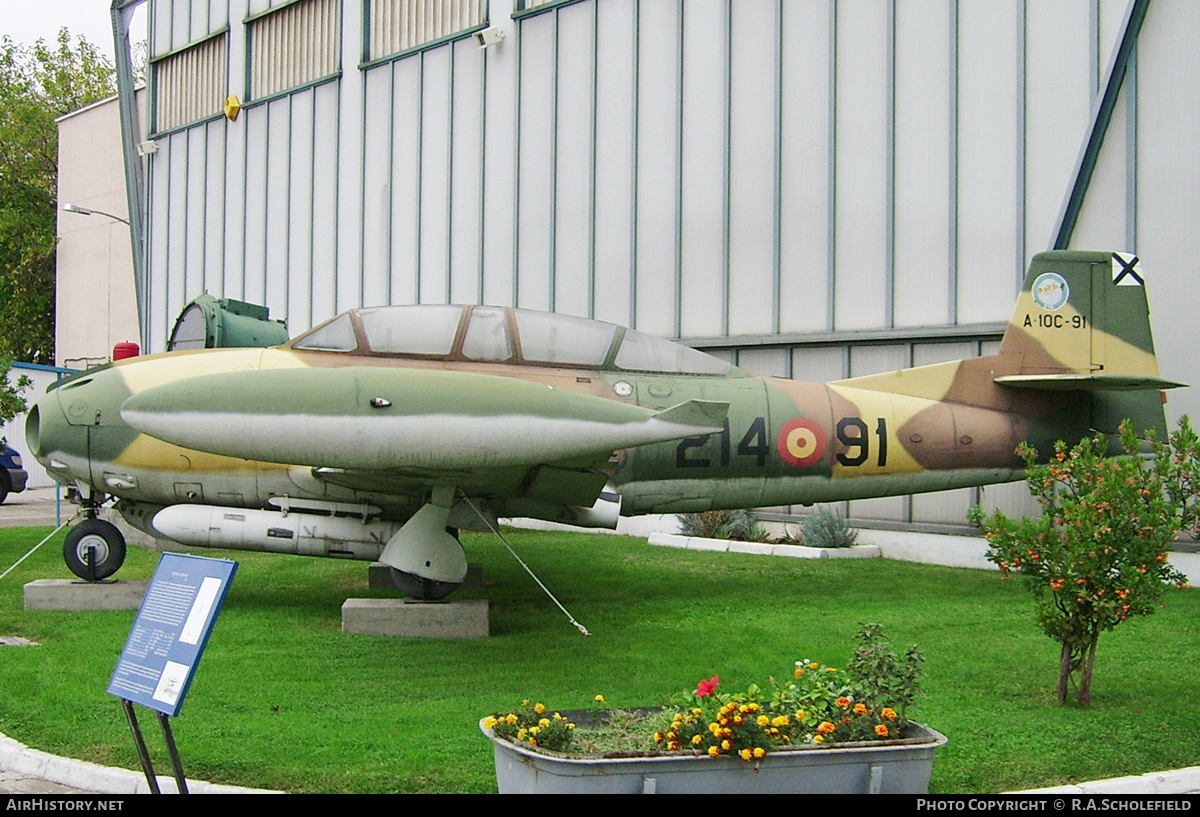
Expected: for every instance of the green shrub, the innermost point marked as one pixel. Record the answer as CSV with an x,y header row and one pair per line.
x,y
827,529
736,524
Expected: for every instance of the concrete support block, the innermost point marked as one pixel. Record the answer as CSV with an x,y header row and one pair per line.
x,y
79,596
409,618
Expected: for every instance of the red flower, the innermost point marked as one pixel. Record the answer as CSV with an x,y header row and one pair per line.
x,y
704,687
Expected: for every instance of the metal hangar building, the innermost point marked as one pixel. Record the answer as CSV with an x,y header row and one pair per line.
x,y
810,188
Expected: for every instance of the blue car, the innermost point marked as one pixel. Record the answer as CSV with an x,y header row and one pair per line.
x,y
12,474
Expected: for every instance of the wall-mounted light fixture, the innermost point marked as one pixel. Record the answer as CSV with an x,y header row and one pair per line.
x,y
86,211
492,35
147,148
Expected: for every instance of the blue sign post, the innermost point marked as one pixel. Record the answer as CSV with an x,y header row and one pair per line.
x,y
165,644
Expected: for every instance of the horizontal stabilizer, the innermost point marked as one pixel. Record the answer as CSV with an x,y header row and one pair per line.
x,y
1087,382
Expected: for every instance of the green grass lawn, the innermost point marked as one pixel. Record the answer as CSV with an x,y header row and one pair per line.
x,y
284,700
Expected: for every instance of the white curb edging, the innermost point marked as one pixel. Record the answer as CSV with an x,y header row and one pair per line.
x,y
676,540
92,777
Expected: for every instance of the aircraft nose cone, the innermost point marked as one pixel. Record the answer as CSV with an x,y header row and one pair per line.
x,y
52,440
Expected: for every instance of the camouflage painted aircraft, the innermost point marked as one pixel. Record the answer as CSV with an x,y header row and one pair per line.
x,y
381,432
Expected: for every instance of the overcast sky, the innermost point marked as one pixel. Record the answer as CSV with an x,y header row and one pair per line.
x,y
25,21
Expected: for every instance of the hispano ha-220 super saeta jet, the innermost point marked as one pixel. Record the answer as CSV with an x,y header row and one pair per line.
x,y
380,433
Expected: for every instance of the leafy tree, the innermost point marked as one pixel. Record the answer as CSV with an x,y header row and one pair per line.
x,y
1097,555
37,85
11,401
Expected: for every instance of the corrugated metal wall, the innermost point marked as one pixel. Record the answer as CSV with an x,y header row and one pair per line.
x,y
708,168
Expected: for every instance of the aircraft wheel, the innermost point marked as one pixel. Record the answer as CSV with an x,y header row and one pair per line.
x,y
421,589
101,537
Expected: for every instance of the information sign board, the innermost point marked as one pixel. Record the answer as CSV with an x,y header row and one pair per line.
x,y
171,631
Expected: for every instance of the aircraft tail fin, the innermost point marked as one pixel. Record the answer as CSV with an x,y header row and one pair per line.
x,y
1082,323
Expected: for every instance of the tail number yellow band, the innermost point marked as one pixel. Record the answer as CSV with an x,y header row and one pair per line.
x,y
801,442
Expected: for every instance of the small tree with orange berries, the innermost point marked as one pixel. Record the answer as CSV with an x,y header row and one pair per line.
x,y
1097,555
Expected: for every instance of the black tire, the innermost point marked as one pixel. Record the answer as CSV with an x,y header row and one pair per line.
x,y
100,536
422,589
4,486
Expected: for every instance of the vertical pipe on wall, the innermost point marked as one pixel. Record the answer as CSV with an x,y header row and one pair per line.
x,y
777,203
1131,151
831,214
121,12
889,281
952,231
591,240
727,188
1022,63
679,172
633,162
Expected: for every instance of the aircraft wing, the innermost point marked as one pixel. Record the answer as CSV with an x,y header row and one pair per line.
x,y
418,426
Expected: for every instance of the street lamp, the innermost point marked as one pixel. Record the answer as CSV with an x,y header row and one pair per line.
x,y
84,211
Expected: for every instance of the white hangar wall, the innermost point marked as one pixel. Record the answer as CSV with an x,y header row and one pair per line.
x,y
813,188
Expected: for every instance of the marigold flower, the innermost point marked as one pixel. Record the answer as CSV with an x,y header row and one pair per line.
x,y
763,720
489,722
860,709
726,745
888,713
713,751
659,737
843,702
825,728
780,720
673,746
697,739
539,708
799,673
882,730
819,739
599,699
745,754
759,752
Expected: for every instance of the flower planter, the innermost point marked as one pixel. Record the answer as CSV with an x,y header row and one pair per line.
x,y
882,767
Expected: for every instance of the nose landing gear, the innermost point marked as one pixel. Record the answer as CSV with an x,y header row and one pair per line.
x,y
94,549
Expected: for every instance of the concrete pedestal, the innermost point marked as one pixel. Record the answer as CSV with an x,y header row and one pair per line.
x,y
408,618
65,594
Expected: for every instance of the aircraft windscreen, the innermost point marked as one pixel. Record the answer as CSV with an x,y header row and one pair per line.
x,y
412,330
564,340
335,336
646,353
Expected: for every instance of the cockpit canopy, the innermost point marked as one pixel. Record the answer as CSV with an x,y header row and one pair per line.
x,y
497,334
